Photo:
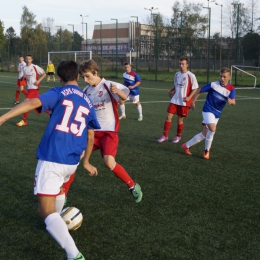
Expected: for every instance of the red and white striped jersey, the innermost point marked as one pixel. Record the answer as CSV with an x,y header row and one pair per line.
x,y
105,104
184,83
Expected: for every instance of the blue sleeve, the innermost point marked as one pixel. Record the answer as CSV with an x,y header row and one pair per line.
x,y
49,99
92,120
206,88
232,94
137,78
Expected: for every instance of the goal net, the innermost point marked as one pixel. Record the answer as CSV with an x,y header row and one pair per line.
x,y
78,56
245,76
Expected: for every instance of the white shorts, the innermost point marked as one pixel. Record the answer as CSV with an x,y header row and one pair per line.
x,y
50,176
135,99
209,118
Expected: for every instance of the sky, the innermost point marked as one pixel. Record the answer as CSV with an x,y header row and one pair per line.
x,y
68,12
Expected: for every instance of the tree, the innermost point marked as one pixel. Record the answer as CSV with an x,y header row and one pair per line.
x,y
2,37
251,46
77,41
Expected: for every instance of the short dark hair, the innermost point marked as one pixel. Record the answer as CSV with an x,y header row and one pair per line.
x,y
88,65
225,70
127,63
20,56
184,58
68,70
29,55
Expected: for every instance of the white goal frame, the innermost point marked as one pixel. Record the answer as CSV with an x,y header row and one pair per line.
x,y
69,52
241,66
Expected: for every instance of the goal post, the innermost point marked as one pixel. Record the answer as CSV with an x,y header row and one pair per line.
x,y
78,56
248,76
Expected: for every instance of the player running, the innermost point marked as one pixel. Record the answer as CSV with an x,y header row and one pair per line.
x,y
68,134
219,93
105,95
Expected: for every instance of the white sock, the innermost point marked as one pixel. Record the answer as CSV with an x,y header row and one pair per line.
x,y
59,231
209,140
196,139
139,109
122,108
59,203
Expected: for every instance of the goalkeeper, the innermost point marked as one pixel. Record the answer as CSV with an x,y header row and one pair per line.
x,y
50,71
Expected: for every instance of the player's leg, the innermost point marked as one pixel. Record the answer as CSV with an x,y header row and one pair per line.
x,y
180,126
53,77
49,177
122,109
136,101
48,77
109,145
168,123
17,92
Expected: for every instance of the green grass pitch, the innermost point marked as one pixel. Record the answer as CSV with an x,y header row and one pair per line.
x,y
191,208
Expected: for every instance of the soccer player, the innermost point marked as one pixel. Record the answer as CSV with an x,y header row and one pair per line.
x,y
105,95
219,93
132,80
50,71
184,87
68,134
31,72
21,81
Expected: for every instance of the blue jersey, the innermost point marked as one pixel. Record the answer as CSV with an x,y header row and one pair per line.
x,y
65,137
130,79
217,97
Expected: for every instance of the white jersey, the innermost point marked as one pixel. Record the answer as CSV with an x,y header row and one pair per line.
x,y
184,83
105,104
32,73
20,68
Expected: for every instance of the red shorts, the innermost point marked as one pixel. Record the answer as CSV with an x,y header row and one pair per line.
x,y
32,93
21,82
179,110
107,142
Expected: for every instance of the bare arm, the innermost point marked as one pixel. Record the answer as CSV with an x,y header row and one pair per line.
x,y
194,98
171,92
90,142
40,79
135,85
186,99
231,101
25,106
117,91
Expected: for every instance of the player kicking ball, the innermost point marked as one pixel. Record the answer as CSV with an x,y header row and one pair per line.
x,y
219,93
105,96
68,134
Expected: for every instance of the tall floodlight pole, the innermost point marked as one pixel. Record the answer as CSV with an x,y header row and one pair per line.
x,y
60,36
151,10
208,43
86,36
237,43
82,25
156,48
137,41
72,36
181,34
220,51
101,51
116,42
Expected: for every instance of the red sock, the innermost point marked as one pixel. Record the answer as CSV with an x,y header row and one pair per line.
x,y
66,185
25,116
17,95
180,129
167,126
25,92
121,173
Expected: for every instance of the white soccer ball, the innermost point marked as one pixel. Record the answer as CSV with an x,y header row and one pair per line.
x,y
72,217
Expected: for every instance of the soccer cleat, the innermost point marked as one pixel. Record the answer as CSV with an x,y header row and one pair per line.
x,y
162,139
176,139
16,102
206,154
122,117
140,118
137,193
21,123
78,257
186,149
